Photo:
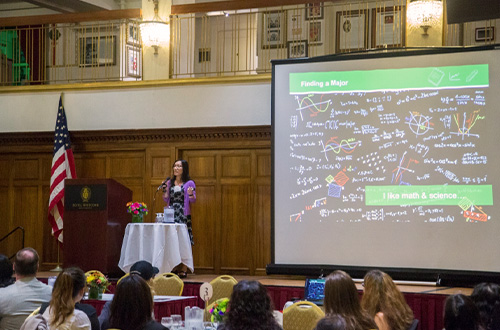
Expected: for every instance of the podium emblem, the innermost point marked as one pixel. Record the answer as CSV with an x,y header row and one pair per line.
x,y
85,194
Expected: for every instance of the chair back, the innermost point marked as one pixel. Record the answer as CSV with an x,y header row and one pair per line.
x,y
121,278
168,284
414,325
302,315
222,287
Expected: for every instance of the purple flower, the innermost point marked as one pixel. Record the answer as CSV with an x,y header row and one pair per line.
x,y
221,313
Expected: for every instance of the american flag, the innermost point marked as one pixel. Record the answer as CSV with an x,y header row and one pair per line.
x,y
63,167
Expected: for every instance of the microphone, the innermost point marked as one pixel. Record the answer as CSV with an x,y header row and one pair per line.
x,y
163,183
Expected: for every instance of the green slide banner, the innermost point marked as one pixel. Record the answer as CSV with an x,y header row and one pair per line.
x,y
460,195
461,76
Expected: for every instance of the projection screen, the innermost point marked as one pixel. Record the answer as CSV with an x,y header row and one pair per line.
x,y
387,161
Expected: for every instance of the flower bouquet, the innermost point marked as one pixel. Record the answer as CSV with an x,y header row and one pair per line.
x,y
218,310
138,210
97,283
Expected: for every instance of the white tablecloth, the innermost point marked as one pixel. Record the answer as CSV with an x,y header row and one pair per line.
x,y
163,245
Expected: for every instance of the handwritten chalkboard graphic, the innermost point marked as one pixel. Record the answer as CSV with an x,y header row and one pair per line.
x,y
397,173
307,103
334,190
296,217
346,145
419,124
465,124
471,215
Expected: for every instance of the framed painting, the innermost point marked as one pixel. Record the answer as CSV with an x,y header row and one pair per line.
x,y
273,30
134,62
314,11
315,33
351,31
296,26
297,49
388,27
133,33
97,51
485,34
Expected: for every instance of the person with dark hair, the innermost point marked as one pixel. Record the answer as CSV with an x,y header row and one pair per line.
x,y
19,300
142,268
385,303
460,313
132,306
179,192
332,322
6,272
250,307
486,297
69,289
341,297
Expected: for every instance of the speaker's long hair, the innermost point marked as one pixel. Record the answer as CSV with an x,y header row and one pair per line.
x,y
68,285
382,295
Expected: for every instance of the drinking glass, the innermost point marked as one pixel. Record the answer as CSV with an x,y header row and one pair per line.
x,y
176,320
208,326
167,321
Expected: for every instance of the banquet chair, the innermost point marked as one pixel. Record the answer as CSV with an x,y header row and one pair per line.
x,y
168,284
121,278
222,288
302,315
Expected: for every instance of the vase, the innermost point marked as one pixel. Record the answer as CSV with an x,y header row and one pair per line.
x,y
95,293
137,218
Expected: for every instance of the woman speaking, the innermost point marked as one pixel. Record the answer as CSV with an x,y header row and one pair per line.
x,y
178,193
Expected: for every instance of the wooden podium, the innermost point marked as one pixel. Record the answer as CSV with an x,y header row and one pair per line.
x,y
95,217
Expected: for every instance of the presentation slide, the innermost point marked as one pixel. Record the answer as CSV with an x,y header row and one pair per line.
x,y
388,161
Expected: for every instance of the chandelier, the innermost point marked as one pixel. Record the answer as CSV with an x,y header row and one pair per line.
x,y
424,14
155,33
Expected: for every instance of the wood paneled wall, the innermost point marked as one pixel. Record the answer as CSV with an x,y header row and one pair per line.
x,y
230,165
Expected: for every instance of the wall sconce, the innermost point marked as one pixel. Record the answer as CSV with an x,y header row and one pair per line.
x,y
155,33
424,14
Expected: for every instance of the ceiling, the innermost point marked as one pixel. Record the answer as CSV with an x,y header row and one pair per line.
x,y
16,8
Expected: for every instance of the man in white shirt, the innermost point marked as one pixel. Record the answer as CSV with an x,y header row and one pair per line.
x,y
20,299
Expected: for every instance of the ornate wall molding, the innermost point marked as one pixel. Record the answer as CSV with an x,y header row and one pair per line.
x,y
207,134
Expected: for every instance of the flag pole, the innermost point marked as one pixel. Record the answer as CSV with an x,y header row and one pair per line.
x,y
58,267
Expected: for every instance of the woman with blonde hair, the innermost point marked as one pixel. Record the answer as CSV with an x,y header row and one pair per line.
x,y
341,297
69,289
385,303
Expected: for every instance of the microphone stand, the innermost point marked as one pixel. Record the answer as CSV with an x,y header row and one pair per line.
x,y
154,199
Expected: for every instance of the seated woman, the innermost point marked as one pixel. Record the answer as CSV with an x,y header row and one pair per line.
x,y
6,272
486,297
460,313
132,306
385,303
69,289
250,307
341,297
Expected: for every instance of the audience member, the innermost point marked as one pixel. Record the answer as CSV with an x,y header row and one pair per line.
x,y
341,297
332,322
19,300
132,306
460,313
142,268
250,307
69,289
385,303
486,297
6,272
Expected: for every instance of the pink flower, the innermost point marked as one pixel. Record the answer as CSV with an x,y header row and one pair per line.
x,y
136,212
